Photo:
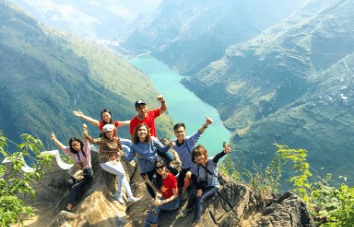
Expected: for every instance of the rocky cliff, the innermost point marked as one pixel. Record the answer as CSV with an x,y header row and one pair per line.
x,y
293,85
233,204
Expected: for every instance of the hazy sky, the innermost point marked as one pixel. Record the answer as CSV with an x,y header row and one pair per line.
x,y
124,8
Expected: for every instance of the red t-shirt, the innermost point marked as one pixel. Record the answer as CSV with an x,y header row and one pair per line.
x,y
115,123
167,185
149,120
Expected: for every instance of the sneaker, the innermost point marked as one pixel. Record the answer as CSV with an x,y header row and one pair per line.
x,y
66,210
184,195
118,196
133,199
185,212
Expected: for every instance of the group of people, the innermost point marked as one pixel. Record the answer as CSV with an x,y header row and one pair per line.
x,y
154,161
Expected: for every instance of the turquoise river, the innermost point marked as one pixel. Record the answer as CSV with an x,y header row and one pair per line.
x,y
183,105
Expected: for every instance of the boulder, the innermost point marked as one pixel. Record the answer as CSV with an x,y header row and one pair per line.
x,y
233,205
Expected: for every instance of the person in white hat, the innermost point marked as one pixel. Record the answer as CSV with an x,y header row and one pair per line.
x,y
111,151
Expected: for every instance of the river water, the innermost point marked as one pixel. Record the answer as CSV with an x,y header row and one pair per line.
x,y
183,105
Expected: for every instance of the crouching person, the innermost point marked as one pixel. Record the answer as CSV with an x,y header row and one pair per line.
x,y
169,190
205,177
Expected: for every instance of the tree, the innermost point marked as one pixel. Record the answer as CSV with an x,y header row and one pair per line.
x,y
14,180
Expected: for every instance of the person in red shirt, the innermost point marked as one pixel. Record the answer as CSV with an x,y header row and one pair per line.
x,y
148,117
145,116
106,117
167,186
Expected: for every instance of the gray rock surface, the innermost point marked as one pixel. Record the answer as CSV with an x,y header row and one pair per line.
x,y
233,205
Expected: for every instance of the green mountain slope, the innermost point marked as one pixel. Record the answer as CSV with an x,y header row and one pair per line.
x,y
292,85
46,73
188,35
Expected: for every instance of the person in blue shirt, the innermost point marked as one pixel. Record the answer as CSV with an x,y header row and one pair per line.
x,y
205,178
184,146
146,146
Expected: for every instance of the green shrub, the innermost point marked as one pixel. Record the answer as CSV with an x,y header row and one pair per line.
x,y
11,207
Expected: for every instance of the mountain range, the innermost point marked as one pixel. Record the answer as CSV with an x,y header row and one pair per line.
x,y
293,84
47,73
188,35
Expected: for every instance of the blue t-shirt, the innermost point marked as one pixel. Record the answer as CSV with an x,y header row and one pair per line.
x,y
183,152
203,175
146,154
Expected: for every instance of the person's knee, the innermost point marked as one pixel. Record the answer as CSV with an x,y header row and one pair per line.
x,y
200,201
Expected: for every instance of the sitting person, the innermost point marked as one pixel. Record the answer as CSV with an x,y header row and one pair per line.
x,y
167,186
205,177
109,158
183,146
145,147
81,154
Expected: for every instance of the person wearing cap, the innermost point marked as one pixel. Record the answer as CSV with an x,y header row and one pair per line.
x,y
145,116
148,117
111,151
81,154
183,146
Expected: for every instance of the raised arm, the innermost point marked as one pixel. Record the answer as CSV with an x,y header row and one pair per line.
x,y
221,154
57,142
89,119
123,123
163,107
89,138
208,122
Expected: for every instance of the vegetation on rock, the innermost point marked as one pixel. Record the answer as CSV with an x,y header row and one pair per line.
x,y
15,181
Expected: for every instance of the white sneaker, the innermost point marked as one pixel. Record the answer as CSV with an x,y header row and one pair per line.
x,y
118,196
133,199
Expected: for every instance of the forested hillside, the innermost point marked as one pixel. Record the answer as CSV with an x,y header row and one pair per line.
x,y
46,73
293,84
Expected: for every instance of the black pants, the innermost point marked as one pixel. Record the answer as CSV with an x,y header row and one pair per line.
x,y
181,176
77,188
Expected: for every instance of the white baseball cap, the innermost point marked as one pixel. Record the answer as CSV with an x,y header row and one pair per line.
x,y
108,128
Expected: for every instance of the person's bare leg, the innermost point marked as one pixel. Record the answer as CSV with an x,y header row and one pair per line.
x,y
187,181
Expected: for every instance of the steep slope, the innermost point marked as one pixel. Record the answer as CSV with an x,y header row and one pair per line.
x,y
188,35
47,73
291,85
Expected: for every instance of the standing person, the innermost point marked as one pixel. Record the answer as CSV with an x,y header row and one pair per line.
x,y
205,177
148,117
109,158
145,146
145,116
106,117
167,186
81,154
183,147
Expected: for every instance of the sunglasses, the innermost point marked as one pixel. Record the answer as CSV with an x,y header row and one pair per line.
x,y
159,167
198,155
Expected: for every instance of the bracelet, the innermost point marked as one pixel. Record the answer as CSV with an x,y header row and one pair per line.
x,y
205,126
163,102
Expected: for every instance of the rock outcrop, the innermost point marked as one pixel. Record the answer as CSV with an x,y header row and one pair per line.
x,y
233,205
